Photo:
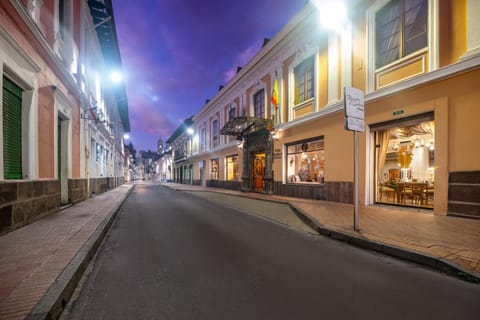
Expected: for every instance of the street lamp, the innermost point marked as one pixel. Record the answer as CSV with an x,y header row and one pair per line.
x,y
332,13
116,76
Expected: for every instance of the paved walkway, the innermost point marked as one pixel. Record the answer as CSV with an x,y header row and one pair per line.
x,y
447,243
41,263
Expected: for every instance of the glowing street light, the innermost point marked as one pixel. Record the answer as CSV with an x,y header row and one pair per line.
x,y
116,77
332,13
190,131
126,136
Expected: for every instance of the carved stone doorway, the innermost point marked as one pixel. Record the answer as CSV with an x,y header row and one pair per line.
x,y
258,171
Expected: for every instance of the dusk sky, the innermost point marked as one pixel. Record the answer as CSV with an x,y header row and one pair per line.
x,y
176,53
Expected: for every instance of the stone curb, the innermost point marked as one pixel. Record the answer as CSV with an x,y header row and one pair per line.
x,y
54,301
423,259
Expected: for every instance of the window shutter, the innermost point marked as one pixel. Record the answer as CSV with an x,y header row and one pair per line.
x,y
12,130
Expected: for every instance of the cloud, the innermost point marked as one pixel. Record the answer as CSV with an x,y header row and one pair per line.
x,y
241,60
175,54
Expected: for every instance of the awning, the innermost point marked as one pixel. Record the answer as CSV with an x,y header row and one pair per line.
x,y
241,126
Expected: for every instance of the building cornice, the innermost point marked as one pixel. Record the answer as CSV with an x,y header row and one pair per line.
x,y
465,65
33,27
5,35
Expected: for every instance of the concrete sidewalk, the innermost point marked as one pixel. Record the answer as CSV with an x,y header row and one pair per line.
x,y
449,244
41,263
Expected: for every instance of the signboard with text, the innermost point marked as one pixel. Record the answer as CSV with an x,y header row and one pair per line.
x,y
354,109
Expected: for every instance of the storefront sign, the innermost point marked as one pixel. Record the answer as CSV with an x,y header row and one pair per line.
x,y
398,112
354,109
277,154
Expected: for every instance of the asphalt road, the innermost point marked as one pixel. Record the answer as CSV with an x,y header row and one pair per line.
x,y
175,255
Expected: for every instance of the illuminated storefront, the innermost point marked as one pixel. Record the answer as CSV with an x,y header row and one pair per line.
x,y
306,161
405,158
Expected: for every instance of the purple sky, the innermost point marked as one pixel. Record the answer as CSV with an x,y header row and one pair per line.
x,y
176,53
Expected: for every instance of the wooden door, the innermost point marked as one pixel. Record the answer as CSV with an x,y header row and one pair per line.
x,y
258,171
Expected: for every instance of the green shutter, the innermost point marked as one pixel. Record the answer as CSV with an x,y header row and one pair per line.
x,y
12,130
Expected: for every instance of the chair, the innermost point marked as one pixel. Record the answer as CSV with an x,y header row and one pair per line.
x,y
387,191
400,191
418,192
429,193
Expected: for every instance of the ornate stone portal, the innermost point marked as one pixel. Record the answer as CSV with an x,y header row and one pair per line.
x,y
257,173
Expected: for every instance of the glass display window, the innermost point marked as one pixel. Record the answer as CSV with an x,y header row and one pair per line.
x,y
232,168
306,161
405,164
214,173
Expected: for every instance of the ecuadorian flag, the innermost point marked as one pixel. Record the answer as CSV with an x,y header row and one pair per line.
x,y
275,93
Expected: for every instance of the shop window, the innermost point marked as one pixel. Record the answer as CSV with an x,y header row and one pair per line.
x,y
232,168
214,166
400,29
405,164
12,130
259,104
306,161
304,83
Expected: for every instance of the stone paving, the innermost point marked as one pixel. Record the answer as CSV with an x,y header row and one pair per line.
x,y
33,257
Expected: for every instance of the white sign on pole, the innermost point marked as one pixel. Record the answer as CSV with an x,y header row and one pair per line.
x,y
355,121
355,124
354,109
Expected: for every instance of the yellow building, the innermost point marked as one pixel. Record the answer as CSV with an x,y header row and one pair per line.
x,y
418,64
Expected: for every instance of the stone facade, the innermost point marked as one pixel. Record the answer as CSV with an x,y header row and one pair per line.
x,y
330,191
464,193
22,202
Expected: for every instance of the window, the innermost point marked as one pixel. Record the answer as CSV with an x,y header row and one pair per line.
x,y
214,133
202,139
232,168
98,153
61,17
306,161
214,174
259,104
12,130
231,113
304,83
400,29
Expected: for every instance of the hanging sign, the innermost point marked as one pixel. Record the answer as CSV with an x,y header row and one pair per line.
x,y
354,106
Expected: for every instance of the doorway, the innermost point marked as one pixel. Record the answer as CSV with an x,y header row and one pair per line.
x,y
62,158
258,171
404,162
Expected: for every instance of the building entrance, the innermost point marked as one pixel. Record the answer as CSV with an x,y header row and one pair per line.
x,y
258,171
404,166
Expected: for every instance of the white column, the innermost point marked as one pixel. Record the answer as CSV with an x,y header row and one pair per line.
x,y
347,56
332,68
